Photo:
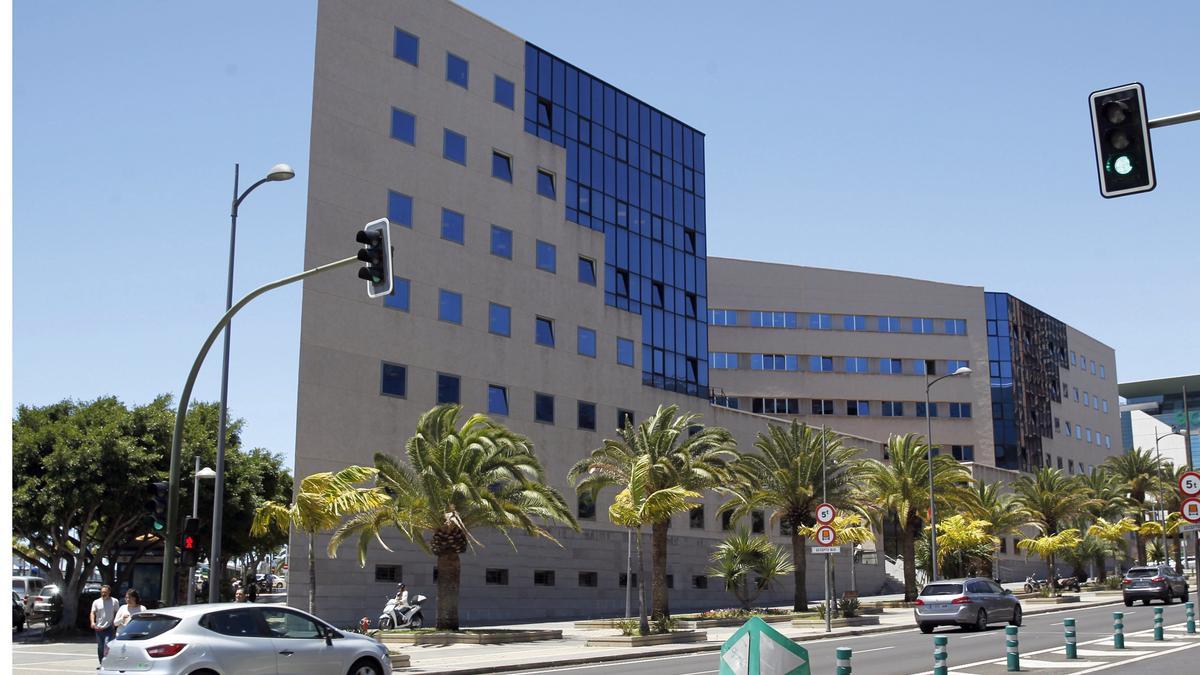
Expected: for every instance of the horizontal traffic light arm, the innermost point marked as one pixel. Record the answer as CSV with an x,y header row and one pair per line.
x,y
1193,116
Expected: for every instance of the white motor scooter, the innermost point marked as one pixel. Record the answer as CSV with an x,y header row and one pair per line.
x,y
396,616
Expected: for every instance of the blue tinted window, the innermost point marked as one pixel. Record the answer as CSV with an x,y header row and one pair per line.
x,y
454,146
854,322
891,366
399,209
856,364
922,325
889,324
499,319
457,70
587,341
933,409
722,317
723,360
394,380
449,306
956,326
587,416
501,166
398,299
544,331
406,46
404,126
545,184
497,400
959,410
502,93
893,408
501,242
858,408
625,352
820,321
820,364
453,226
587,271
546,257
447,388
543,408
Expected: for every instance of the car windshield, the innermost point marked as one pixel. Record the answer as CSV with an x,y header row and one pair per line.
x,y
146,625
943,589
1142,572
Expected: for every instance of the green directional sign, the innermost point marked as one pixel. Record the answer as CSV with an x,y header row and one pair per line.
x,y
758,649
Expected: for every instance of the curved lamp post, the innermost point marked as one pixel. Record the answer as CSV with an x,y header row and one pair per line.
x,y
929,453
1162,513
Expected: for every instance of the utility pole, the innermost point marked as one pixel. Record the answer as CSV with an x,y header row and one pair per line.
x,y
825,500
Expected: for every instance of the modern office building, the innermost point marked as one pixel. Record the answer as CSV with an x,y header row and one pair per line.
x,y
1154,416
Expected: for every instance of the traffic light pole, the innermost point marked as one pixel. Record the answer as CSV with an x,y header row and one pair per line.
x,y
1167,121
167,595
191,580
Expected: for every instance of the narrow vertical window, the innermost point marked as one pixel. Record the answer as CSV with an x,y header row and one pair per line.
x,y
453,226
545,184
398,298
406,46
457,70
546,257
404,126
497,400
399,208
502,93
454,146
501,166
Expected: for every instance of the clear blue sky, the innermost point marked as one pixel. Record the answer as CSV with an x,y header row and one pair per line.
x,y
948,141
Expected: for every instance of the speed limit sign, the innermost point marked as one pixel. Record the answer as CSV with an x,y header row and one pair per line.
x,y
1189,484
826,513
826,536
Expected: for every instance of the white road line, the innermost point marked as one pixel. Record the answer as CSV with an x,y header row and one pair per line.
x,y
1114,664
877,649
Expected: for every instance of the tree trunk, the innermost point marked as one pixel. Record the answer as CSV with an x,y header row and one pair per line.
x,y
908,549
449,571
800,573
658,557
312,576
853,581
1102,564
1050,575
643,624
1178,537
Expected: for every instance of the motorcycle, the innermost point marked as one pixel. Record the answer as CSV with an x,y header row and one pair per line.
x,y
396,616
1069,583
1032,584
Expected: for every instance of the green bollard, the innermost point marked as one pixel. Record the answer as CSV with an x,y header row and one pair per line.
x,y
1069,635
843,660
1011,645
1191,618
1158,629
1118,631
939,655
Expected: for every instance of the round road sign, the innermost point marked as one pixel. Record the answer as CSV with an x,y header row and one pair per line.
x,y
825,514
826,536
1189,484
1190,509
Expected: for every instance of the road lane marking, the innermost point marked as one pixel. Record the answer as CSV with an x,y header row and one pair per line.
x,y
1125,662
877,649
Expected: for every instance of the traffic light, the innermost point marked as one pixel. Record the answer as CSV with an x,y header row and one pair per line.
x,y
1120,129
188,551
376,252
156,503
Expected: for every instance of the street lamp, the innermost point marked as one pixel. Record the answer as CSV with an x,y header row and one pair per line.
x,y
1162,513
207,474
279,172
929,453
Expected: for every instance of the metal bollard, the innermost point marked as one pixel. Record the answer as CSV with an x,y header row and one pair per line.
x,y
843,660
1069,636
1011,645
1158,629
1191,618
1118,631
939,655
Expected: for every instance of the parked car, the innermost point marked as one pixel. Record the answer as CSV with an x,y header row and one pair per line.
x,y
28,588
972,603
229,638
1153,582
18,612
43,602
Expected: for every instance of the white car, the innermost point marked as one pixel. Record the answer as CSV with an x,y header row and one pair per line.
x,y
242,639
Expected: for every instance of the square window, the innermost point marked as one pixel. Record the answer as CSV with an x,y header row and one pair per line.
x,y
822,407
453,226
726,521
820,321
448,388
889,324
696,517
544,331
454,146
587,342
622,580
625,352
457,70
398,298
820,364
499,319
404,126
502,93
406,46
502,239
543,577
858,408
758,523
545,184
501,166
399,209
389,573
495,577
586,415
543,408
449,306
585,506
933,409
851,322
624,418
587,271
497,400
547,257
589,579
393,380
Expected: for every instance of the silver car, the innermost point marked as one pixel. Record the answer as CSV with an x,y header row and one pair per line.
x,y
972,603
242,639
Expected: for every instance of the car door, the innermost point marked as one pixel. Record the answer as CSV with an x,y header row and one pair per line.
x,y
981,594
300,645
240,642
1004,603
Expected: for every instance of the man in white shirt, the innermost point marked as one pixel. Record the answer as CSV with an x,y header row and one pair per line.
x,y
104,612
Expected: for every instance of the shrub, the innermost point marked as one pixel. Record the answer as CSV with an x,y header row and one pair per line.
x,y
628,626
850,607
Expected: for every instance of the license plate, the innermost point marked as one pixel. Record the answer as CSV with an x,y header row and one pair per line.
x,y
1140,584
940,607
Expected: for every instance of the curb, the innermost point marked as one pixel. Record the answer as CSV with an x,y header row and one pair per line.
x,y
699,649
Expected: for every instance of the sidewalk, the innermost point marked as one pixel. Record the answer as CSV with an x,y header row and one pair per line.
x,y
571,650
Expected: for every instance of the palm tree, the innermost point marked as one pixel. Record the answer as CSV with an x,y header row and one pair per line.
x,y
740,556
900,489
1107,493
1172,501
1052,500
961,539
321,502
850,529
1139,471
785,476
458,479
1001,510
1114,533
1090,549
1049,545
677,458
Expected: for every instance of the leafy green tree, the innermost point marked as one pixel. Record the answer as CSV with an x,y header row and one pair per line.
x,y
1114,535
479,475
1052,500
677,458
999,508
1049,545
1139,472
742,556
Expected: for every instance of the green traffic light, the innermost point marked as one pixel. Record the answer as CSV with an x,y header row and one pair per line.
x,y
1121,164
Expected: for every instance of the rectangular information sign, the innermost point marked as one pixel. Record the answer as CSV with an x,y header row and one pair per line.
x,y
827,549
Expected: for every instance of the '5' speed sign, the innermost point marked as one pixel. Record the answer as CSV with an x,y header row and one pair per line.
x,y
1189,484
826,513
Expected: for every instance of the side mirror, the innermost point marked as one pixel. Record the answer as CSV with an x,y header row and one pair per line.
x,y
1006,591
329,635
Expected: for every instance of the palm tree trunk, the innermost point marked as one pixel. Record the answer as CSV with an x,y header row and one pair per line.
x,y
910,563
449,569
312,576
658,558
643,624
1102,565
1050,575
1178,537
800,573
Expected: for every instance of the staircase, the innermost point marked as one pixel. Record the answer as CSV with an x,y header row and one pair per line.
x,y
893,569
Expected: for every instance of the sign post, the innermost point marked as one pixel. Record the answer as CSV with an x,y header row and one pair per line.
x,y
826,537
758,649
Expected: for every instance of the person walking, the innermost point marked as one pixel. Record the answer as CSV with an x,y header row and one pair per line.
x,y
131,608
239,595
104,612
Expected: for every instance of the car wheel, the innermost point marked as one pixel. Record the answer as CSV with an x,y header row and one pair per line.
x,y
1145,601
385,623
981,621
417,621
365,667
1129,603
1168,598
1028,588
926,628
1016,617
1184,596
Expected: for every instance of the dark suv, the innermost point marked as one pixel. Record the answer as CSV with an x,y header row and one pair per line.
x,y
1153,582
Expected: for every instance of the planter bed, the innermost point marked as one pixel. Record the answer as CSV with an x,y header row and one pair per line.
x,y
1061,600
467,637
890,604
674,637
399,660
719,623
840,622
